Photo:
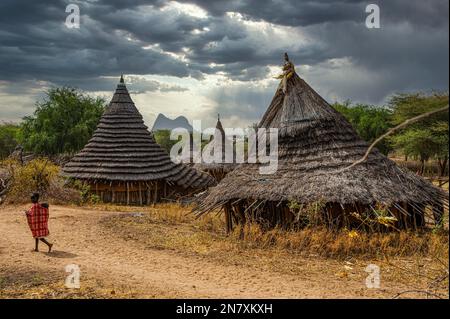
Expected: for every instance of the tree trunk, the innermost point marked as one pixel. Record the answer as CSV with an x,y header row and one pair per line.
x,y
442,165
422,167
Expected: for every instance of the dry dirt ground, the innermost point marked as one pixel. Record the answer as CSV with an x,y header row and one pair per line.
x,y
113,267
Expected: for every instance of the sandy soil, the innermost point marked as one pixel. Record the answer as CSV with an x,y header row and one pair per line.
x,y
79,239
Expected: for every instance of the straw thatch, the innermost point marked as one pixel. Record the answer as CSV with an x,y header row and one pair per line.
x,y
218,168
315,144
123,163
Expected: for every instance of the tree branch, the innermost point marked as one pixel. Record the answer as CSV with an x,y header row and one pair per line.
x,y
391,131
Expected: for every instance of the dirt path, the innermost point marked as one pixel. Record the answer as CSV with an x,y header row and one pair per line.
x,y
79,239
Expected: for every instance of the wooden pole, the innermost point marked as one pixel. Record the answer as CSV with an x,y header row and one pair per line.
x,y
155,199
228,221
148,194
128,193
438,213
140,193
165,189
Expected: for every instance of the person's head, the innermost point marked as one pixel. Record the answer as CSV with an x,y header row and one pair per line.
x,y
35,198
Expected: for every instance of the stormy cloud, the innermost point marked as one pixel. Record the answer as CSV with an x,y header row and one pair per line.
x,y
223,51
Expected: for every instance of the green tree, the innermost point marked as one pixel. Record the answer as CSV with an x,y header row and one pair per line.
x,y
427,138
407,105
162,137
62,123
440,131
8,139
417,143
369,121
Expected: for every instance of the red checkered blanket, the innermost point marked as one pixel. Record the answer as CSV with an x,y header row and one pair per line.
x,y
37,218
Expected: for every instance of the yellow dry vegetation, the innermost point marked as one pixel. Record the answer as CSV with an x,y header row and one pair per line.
x,y
412,258
209,231
38,175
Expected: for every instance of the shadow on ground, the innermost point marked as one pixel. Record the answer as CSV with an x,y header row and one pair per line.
x,y
61,254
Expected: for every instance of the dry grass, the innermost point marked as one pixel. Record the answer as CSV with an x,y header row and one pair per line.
x,y
414,259
322,241
38,175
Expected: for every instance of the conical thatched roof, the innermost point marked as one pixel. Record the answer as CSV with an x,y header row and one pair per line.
x,y
123,150
218,142
315,144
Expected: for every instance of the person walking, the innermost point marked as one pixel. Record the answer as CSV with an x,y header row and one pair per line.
x,y
37,218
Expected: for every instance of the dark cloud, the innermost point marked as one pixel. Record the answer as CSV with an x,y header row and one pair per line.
x,y
136,85
409,52
290,12
246,103
39,46
310,12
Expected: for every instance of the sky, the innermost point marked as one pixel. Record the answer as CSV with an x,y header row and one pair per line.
x,y
198,58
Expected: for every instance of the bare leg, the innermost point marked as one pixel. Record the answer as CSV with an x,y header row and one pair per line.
x,y
48,244
36,241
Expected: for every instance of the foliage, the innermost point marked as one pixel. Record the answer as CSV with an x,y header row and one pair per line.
x,y
162,137
84,190
428,138
405,106
424,140
35,176
8,139
419,143
369,121
62,123
39,175
307,215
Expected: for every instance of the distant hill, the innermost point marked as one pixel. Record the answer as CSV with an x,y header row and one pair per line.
x,y
164,123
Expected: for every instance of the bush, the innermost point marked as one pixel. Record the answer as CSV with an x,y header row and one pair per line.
x,y
38,175
84,190
8,139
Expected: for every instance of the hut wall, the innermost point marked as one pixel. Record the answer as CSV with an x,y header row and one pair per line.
x,y
334,215
132,193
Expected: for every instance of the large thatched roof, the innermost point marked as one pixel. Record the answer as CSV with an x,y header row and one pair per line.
x,y
122,149
315,144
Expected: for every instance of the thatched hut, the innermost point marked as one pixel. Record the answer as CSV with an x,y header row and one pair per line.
x,y
218,168
122,163
316,145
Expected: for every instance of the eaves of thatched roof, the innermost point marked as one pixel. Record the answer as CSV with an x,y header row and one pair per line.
x,y
123,150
